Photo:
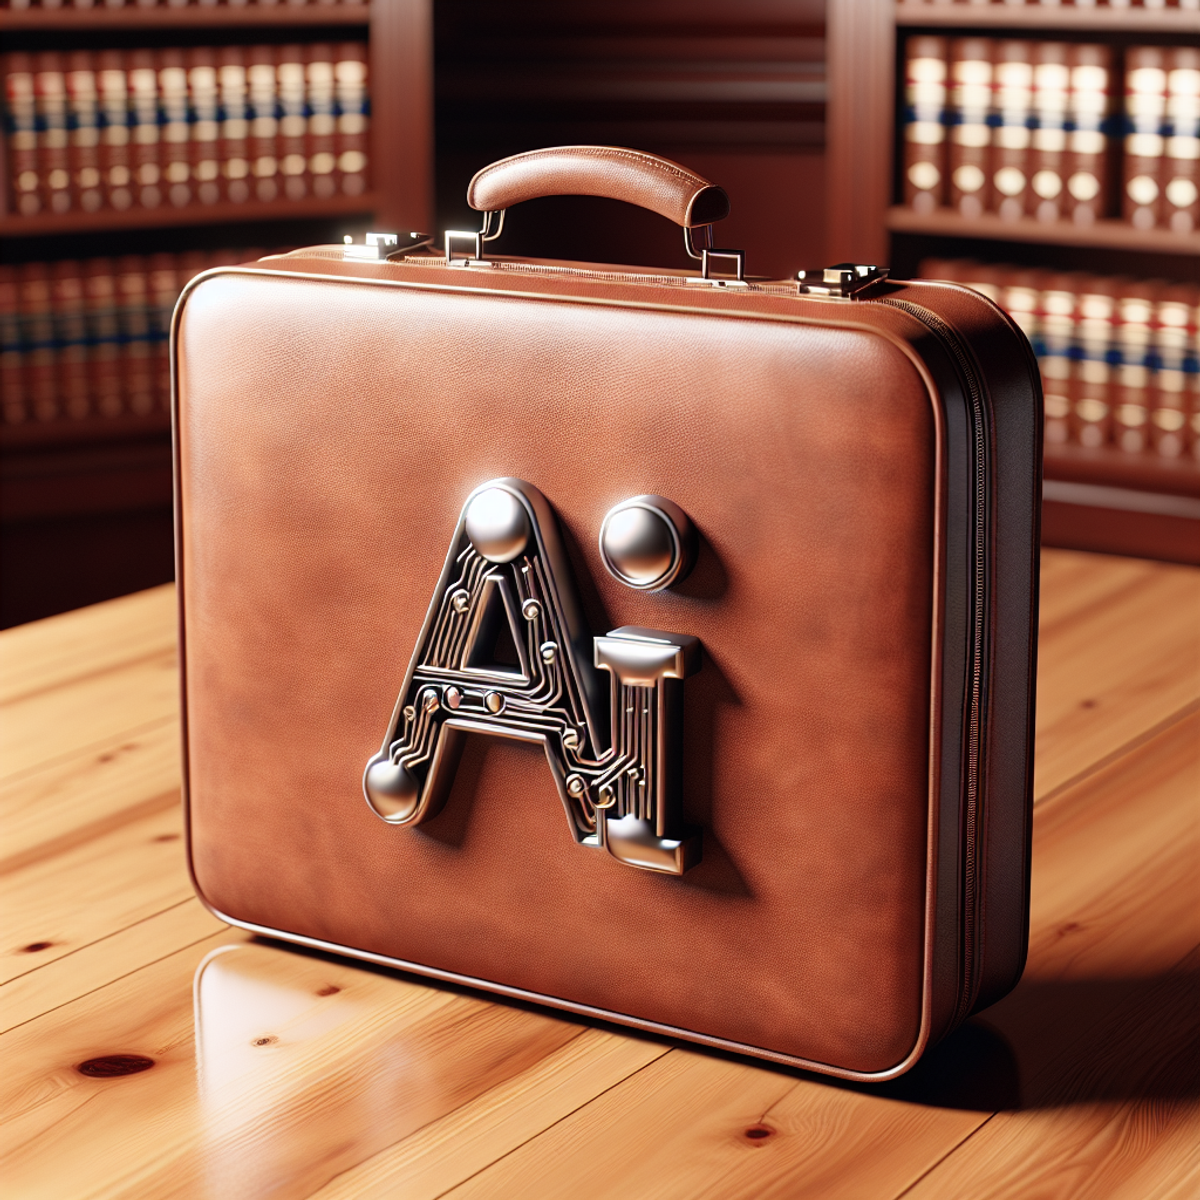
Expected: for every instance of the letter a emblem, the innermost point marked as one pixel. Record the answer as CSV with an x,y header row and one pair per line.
x,y
504,651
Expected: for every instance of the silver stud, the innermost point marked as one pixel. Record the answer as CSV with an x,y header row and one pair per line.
x,y
607,797
576,785
648,543
460,599
453,697
531,610
494,702
571,739
409,712
497,525
549,652
430,701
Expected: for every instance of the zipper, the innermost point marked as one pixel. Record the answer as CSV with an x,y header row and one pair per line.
x,y
971,818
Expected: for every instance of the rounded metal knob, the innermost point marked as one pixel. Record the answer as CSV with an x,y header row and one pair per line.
x,y
648,543
498,525
392,790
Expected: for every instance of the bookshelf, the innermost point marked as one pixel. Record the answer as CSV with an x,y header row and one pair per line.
x,y
1101,497
85,495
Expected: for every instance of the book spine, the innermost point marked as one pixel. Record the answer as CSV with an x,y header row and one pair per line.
x,y
115,156
352,142
1092,365
204,103
264,122
1181,162
1047,159
16,410
1011,138
1089,150
164,291
84,121
322,121
235,124
175,130
70,335
970,133
925,95
1174,344
1145,117
54,176
104,338
37,341
292,131
137,358
142,80
22,137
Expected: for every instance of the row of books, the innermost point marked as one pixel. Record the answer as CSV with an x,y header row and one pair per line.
x,y
83,344
129,129
1026,128
76,4
1120,358
1159,5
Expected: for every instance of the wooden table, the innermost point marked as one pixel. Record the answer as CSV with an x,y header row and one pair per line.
x,y
274,1073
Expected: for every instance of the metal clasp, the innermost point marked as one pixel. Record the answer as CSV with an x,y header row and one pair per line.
x,y
842,281
477,239
380,246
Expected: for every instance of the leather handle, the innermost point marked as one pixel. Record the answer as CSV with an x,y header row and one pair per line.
x,y
613,172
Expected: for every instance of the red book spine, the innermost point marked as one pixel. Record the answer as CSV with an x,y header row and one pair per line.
x,y
291,149
1145,114
322,123
84,152
1087,166
203,98
12,384
264,125
1051,90
174,131
70,325
1011,139
235,128
137,353
21,108
104,337
115,156
1181,180
353,123
50,88
37,341
143,108
970,135
1175,340
925,95
164,291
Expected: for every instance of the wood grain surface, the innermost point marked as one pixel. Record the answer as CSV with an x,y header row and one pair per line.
x,y
152,1051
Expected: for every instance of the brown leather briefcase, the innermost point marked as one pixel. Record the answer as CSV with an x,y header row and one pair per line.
x,y
656,645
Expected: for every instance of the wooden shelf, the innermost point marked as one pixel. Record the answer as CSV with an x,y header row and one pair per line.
x,y
1109,235
61,20
193,214
1073,20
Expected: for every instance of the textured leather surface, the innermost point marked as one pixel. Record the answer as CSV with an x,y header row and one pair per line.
x,y
329,431
614,172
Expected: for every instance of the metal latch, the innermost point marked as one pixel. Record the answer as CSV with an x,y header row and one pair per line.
x,y
843,280
380,246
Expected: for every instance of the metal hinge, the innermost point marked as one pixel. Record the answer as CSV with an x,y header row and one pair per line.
x,y
843,280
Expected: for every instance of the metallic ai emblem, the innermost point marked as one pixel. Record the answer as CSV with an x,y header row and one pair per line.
x,y
504,652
